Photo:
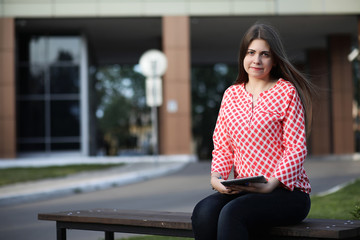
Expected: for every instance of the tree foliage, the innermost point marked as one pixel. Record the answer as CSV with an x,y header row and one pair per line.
x,y
120,94
208,84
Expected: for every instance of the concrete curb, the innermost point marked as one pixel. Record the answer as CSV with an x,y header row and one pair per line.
x,y
335,189
62,160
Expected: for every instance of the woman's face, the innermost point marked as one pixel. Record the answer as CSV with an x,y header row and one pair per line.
x,y
258,61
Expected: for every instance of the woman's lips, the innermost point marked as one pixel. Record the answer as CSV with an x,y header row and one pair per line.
x,y
256,68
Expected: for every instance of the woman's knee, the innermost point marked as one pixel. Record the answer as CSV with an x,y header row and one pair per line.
x,y
232,212
232,223
205,218
209,208
199,212
203,210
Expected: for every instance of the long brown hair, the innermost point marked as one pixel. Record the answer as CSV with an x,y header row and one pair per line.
x,y
283,67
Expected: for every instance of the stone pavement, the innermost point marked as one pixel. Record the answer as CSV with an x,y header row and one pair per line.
x,y
327,174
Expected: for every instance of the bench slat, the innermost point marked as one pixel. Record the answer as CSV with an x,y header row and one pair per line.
x,y
126,229
320,228
179,224
172,220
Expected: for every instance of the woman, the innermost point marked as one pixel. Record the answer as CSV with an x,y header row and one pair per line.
x,y
260,130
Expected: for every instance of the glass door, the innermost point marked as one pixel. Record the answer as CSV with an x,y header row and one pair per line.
x,y
49,94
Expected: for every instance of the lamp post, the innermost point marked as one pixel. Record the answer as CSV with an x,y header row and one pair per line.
x,y
153,64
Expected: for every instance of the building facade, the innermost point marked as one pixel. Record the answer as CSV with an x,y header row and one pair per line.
x,y
69,79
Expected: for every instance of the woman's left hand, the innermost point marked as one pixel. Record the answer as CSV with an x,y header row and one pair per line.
x,y
258,187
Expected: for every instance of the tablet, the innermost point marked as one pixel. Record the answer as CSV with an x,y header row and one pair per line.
x,y
244,181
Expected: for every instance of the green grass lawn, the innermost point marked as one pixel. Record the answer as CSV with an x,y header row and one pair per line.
x,y
16,175
338,205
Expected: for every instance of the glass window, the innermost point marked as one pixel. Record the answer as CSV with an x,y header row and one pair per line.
x,y
45,50
65,146
37,50
31,119
65,117
31,80
31,147
48,88
63,49
64,79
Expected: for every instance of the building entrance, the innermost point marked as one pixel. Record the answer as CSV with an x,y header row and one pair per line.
x,y
48,94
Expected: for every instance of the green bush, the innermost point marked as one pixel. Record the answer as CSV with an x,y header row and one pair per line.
x,y
356,211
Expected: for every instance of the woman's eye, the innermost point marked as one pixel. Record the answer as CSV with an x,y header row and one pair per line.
x,y
266,54
251,52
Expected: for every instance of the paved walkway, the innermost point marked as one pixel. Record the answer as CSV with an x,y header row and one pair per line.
x,y
326,175
329,174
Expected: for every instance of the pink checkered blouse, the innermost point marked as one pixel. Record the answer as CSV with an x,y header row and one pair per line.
x,y
268,139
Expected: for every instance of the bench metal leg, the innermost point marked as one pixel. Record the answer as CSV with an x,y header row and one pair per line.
x,y
109,235
60,232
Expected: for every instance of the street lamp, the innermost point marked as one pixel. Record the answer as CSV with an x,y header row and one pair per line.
x,y
153,64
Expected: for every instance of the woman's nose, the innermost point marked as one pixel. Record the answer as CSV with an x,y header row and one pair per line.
x,y
257,59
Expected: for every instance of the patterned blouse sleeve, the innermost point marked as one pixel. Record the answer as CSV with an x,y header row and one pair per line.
x,y
294,142
222,155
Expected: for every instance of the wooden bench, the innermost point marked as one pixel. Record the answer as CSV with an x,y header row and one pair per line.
x,y
179,225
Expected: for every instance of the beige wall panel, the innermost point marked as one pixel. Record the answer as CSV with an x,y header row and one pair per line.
x,y
165,7
75,9
6,64
303,6
7,144
175,127
7,32
178,35
320,138
210,7
7,102
27,9
342,94
318,6
341,104
179,92
178,70
253,7
7,89
120,8
78,8
27,1
2,138
341,131
343,6
77,1
3,101
319,142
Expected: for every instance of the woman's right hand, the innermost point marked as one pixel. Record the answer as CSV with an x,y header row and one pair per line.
x,y
216,180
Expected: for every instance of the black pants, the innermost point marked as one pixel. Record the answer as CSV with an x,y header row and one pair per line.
x,y
228,217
